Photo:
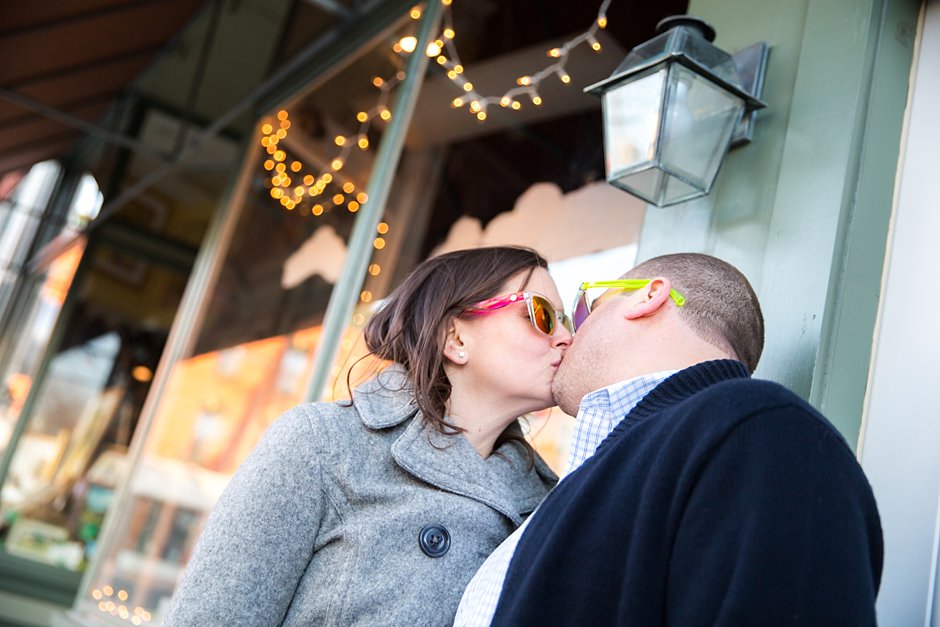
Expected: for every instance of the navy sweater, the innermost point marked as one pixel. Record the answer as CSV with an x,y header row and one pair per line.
x,y
719,500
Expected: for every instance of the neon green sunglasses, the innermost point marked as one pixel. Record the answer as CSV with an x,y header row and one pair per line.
x,y
582,306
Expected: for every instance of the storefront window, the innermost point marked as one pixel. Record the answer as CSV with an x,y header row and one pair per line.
x,y
251,356
24,210
80,369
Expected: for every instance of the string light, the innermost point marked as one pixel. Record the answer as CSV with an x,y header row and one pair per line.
x,y
526,85
292,194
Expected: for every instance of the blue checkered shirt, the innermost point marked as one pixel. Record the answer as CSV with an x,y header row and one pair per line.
x,y
599,413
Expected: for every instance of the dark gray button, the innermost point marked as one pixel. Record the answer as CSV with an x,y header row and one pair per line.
x,y
434,540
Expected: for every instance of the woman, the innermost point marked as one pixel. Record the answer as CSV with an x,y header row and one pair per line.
x,y
378,511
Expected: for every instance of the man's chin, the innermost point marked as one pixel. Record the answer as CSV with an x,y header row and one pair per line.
x,y
563,398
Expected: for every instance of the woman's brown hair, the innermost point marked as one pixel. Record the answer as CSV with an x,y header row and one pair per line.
x,y
411,327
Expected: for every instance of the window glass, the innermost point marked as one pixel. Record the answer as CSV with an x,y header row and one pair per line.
x,y
24,208
33,338
80,418
86,352
297,200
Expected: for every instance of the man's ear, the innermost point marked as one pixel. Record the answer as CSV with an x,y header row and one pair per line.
x,y
455,348
649,299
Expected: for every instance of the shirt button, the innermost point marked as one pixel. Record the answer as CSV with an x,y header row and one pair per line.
x,y
434,540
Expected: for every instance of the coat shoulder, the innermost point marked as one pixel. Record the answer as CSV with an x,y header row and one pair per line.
x,y
319,426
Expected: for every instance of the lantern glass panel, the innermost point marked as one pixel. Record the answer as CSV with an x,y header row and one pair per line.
x,y
699,120
631,122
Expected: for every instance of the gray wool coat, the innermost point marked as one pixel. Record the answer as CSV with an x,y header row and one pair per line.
x,y
322,524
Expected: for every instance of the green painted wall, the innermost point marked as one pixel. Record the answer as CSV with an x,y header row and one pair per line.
x,y
804,209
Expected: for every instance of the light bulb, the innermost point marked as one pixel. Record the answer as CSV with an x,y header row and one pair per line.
x,y
408,43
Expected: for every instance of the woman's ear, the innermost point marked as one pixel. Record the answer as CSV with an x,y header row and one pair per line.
x,y
455,348
650,299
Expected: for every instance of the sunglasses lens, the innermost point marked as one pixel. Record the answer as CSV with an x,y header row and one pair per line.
x,y
581,310
543,315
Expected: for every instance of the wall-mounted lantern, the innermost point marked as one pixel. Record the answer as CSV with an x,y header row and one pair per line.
x,y
673,108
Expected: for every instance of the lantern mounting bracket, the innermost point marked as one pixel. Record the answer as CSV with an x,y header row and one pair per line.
x,y
751,63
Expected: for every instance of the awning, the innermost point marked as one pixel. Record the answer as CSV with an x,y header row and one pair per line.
x,y
64,62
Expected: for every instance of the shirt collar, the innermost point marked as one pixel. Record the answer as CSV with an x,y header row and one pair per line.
x,y
602,410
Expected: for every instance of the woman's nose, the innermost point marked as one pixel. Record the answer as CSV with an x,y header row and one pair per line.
x,y
561,337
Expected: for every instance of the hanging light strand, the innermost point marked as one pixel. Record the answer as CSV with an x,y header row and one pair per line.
x,y
526,85
293,185
291,181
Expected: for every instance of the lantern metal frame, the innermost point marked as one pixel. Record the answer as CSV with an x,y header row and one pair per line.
x,y
742,74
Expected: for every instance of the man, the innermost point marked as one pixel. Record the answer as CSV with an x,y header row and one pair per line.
x,y
694,495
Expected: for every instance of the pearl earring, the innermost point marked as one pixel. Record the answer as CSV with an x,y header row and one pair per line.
x,y
461,354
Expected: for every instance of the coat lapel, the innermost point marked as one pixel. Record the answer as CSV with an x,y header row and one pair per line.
x,y
507,481
504,482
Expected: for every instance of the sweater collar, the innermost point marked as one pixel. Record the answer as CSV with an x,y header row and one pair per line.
x,y
684,384
450,462
676,389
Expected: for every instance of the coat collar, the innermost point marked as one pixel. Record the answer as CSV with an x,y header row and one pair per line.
x,y
385,400
506,481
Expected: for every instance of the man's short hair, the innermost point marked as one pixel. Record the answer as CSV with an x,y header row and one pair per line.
x,y
720,306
